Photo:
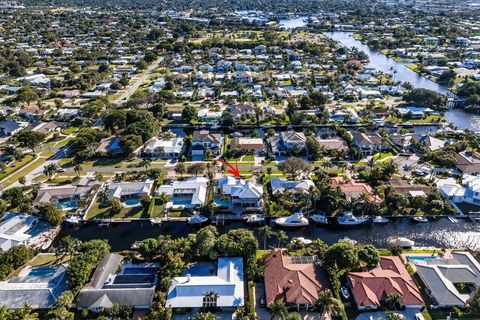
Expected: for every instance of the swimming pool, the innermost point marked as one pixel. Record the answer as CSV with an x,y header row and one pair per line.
x,y
181,201
42,271
132,202
421,259
67,204
221,202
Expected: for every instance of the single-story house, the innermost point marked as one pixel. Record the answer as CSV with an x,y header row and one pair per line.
x,y
294,280
248,144
468,191
39,287
450,282
161,147
129,190
468,162
65,197
332,144
110,146
117,282
280,186
354,189
16,229
10,127
371,288
228,285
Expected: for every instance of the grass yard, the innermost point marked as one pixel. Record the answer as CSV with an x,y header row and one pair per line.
x,y
16,165
100,212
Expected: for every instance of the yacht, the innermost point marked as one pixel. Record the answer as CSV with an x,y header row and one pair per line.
x,y
319,218
348,219
255,219
401,242
345,292
197,219
156,221
295,220
420,219
380,220
302,240
347,239
75,220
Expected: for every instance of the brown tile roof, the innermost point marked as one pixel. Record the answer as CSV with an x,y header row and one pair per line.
x,y
294,283
405,188
370,288
333,144
354,189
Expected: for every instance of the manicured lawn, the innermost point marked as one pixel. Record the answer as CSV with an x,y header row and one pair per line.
x,y
16,165
98,211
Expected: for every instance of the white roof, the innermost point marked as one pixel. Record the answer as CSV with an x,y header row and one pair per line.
x,y
239,188
174,145
197,186
188,292
13,230
129,188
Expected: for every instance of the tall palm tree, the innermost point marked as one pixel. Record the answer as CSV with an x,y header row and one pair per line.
x,y
393,301
69,245
50,170
77,168
281,237
145,163
278,310
267,232
163,197
371,163
327,304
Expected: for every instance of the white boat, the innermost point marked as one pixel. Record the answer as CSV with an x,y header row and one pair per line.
x,y
420,219
401,242
255,219
46,244
348,219
196,219
302,240
347,239
156,221
453,219
319,218
73,220
295,220
380,220
345,292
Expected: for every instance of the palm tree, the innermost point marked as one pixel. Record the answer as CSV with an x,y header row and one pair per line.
x,y
77,168
393,301
371,163
267,232
69,245
145,163
50,170
282,237
278,310
163,197
180,169
327,304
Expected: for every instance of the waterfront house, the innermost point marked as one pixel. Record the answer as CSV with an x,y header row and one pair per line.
x,y
190,193
451,281
369,143
193,291
294,280
371,288
468,162
203,140
332,144
280,186
287,142
240,109
240,195
35,286
118,282
355,189
16,229
65,197
165,147
409,189
468,191
130,193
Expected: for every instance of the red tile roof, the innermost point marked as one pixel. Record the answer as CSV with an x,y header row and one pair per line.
x,y
370,288
292,283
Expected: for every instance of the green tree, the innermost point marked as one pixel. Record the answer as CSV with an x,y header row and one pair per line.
x,y
278,310
146,163
189,113
115,206
61,309
130,143
341,255
265,231
50,170
180,169
294,167
29,139
327,305
369,255
148,248
196,169
313,148
206,239
205,316
51,213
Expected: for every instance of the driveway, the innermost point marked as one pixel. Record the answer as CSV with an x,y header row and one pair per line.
x,y
409,314
262,312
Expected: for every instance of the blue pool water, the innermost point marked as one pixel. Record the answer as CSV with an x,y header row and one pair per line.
x,y
201,269
42,271
67,204
133,270
181,201
221,203
132,202
420,259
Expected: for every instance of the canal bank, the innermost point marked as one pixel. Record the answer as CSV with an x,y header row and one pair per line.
x,y
399,72
441,233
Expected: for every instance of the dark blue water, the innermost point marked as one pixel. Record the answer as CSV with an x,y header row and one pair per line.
x,y
439,233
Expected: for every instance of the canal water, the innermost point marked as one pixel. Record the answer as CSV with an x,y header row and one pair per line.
x,y
461,119
438,233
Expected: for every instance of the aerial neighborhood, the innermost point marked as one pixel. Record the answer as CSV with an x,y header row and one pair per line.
x,y
240,160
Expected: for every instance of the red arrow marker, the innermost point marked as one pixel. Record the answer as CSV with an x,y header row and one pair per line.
x,y
231,169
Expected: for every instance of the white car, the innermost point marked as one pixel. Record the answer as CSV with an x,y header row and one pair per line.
x,y
419,316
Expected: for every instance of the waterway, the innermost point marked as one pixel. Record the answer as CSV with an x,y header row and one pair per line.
x,y
436,233
398,70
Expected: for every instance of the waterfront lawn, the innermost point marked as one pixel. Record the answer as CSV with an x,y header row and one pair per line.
x,y
100,212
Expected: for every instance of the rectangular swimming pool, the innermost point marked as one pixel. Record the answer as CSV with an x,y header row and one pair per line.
x,y
42,271
420,259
